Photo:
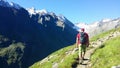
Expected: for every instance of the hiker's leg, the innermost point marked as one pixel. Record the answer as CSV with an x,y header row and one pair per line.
x,y
83,54
79,52
84,51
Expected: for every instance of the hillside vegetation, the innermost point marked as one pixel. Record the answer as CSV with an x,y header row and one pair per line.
x,y
108,55
98,36
62,58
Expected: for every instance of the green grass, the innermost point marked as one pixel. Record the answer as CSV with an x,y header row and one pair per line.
x,y
60,57
107,56
103,34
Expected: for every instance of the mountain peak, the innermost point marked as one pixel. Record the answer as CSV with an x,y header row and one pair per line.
x,y
9,4
31,10
34,11
106,20
61,17
43,11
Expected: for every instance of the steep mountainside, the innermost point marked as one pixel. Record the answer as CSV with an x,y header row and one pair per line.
x,y
26,38
100,26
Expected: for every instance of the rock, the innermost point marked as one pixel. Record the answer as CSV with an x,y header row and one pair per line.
x,y
55,65
116,66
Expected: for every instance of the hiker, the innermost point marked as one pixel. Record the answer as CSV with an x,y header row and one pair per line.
x,y
82,41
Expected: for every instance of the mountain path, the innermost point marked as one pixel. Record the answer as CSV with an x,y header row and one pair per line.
x,y
86,63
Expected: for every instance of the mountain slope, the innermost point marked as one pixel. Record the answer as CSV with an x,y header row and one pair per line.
x,y
108,54
25,38
62,58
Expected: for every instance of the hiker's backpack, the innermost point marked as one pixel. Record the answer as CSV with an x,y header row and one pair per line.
x,y
82,37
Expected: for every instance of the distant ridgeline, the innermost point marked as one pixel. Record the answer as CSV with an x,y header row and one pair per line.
x,y
100,26
27,37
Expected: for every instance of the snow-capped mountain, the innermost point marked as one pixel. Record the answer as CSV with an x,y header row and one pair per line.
x,y
33,11
106,20
44,15
9,4
100,26
27,36
87,26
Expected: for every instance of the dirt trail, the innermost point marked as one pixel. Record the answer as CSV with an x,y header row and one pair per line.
x,y
86,63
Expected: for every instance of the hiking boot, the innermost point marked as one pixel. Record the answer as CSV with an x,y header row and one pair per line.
x,y
82,58
80,61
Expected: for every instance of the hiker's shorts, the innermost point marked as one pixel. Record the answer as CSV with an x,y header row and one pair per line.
x,y
82,48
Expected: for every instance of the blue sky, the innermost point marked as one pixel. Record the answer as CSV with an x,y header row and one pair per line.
x,y
87,11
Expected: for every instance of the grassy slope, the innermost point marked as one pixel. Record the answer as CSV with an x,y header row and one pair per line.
x,y
61,57
70,59
103,34
107,56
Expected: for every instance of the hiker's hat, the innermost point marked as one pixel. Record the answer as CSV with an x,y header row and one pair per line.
x,y
82,29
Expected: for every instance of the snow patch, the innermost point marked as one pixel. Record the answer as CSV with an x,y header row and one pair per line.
x,y
31,10
106,20
43,11
34,11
